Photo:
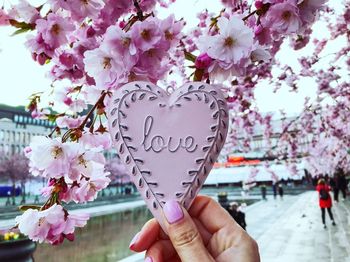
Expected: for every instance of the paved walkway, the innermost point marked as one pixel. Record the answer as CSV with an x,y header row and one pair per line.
x,y
291,230
297,233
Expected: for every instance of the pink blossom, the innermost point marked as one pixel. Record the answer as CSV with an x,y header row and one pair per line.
x,y
120,44
50,225
263,34
203,61
258,4
75,220
69,122
40,113
77,105
233,42
54,30
308,9
282,18
86,163
151,65
51,156
88,189
79,9
68,65
146,34
96,140
106,69
24,11
4,17
147,5
260,53
112,10
230,3
171,32
40,50
37,224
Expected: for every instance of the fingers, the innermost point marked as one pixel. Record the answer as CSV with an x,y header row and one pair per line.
x,y
161,250
211,215
248,252
146,237
183,233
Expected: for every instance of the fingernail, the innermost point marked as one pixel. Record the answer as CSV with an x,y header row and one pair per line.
x,y
173,211
134,239
148,259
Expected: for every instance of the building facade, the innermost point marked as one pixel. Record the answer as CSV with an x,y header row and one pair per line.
x,y
17,128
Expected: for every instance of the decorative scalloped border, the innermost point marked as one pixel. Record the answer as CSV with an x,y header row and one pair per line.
x,y
204,93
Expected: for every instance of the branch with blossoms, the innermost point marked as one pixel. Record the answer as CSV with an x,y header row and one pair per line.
x,y
98,46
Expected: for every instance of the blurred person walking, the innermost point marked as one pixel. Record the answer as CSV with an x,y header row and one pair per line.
x,y
280,190
263,191
341,183
237,214
325,201
274,189
334,187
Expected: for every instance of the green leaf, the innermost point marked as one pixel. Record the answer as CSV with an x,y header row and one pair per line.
x,y
20,31
190,56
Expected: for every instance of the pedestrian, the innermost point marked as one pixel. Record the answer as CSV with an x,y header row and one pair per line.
x,y
274,189
325,201
263,191
237,215
341,182
334,187
280,190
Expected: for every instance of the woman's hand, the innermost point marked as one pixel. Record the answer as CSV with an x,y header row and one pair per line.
x,y
205,233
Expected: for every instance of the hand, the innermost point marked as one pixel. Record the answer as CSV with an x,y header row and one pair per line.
x,y
205,233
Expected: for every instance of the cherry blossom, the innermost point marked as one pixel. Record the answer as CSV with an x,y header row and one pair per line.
x,y
51,225
93,47
232,44
282,17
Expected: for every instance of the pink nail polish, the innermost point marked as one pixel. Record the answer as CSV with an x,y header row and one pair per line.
x,y
134,240
148,259
172,211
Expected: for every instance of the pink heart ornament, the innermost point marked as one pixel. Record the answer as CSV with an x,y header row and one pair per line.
x,y
168,142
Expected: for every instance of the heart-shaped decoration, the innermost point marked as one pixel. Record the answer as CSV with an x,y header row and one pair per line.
x,y
168,143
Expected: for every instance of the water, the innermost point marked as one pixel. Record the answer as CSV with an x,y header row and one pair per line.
x,y
104,239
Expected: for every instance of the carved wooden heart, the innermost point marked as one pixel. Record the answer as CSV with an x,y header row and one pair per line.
x,y
169,143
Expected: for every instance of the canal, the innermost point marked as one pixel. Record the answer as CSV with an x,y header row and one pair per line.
x,y
104,239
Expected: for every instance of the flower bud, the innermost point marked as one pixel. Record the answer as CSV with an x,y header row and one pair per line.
x,y
258,29
203,61
259,4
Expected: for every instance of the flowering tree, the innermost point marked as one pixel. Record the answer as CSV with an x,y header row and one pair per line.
x,y
118,173
96,46
15,169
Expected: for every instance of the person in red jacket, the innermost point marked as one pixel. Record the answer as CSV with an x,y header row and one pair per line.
x,y
325,201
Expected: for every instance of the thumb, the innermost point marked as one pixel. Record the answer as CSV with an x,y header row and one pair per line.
x,y
184,234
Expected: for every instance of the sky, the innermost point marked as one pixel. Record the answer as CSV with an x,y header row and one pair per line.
x,y
20,76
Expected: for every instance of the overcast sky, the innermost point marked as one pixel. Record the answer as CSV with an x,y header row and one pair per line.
x,y
20,76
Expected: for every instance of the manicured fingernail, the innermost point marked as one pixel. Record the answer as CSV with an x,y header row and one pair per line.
x,y
148,259
134,239
173,211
